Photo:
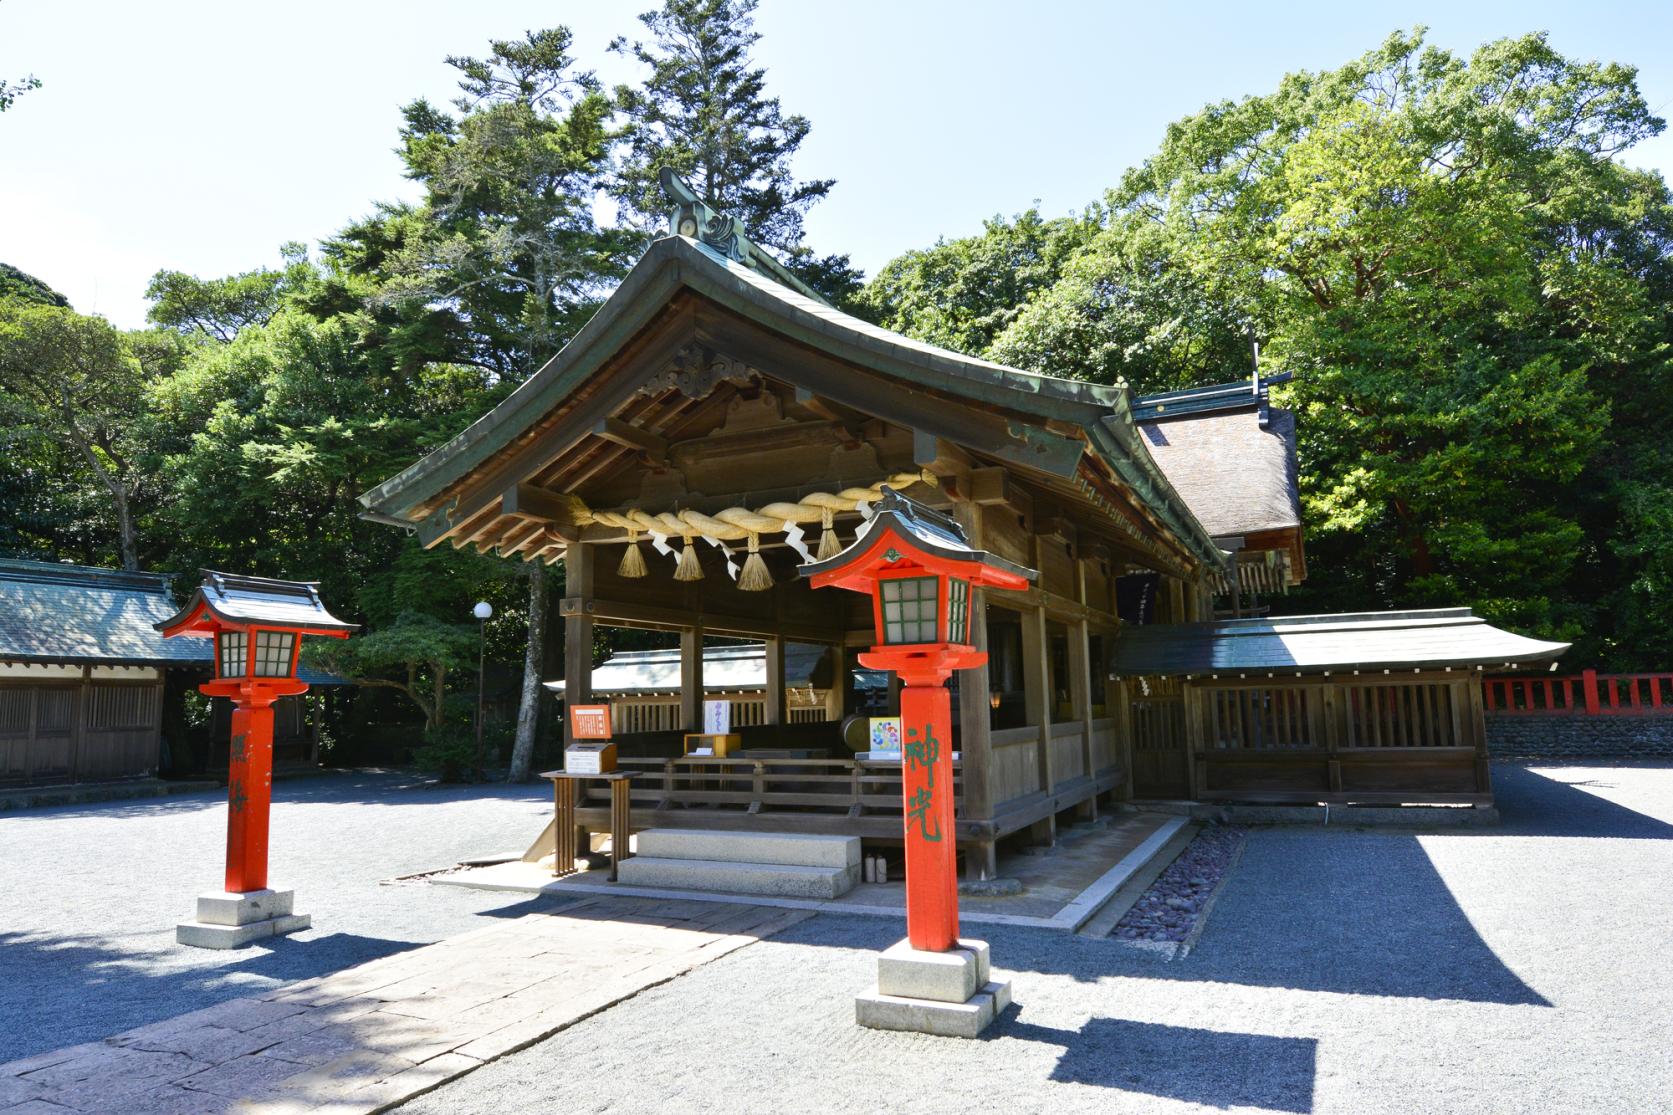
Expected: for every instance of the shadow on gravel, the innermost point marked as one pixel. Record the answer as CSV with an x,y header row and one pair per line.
x,y
57,991
1214,1068
1534,804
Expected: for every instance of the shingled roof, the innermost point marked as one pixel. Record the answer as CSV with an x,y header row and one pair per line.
x,y
1234,465
79,615
1430,639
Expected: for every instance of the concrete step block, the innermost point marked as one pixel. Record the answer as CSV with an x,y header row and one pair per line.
x,y
724,877
945,977
926,1016
792,848
210,936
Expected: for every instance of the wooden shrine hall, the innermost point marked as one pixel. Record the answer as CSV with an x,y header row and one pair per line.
x,y
716,426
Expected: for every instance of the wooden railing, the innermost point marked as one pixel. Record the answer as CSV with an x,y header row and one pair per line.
x,y
845,786
1584,694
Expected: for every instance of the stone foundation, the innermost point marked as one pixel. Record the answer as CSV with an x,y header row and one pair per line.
x,y
1578,736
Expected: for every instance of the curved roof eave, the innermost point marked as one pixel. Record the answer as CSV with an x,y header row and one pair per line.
x,y
672,262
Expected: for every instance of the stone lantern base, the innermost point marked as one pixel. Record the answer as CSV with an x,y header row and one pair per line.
x,y
230,920
949,994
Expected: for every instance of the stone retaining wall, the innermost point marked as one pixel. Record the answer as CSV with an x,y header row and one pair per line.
x,y
1532,736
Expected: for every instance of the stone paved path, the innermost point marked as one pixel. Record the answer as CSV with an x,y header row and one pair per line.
x,y
373,1035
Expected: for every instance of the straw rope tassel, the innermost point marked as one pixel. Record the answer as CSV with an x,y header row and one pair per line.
x,y
688,569
755,577
633,562
829,547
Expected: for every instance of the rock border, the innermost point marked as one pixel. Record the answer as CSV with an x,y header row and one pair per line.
x,y
1166,891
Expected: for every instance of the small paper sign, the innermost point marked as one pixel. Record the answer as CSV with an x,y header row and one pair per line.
x,y
717,718
885,736
589,721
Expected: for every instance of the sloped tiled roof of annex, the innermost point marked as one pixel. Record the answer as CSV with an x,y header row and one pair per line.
x,y
1099,410
80,615
1428,639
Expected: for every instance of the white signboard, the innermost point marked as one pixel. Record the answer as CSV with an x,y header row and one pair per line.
x,y
717,717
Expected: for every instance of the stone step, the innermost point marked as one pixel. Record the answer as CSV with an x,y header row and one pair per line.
x,y
727,877
789,848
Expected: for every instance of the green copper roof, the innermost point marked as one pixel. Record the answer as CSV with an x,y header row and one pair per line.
x,y
673,262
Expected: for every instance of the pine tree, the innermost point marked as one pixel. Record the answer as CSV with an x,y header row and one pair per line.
x,y
703,111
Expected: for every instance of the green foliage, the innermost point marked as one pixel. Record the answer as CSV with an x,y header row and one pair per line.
x,y
11,90
219,308
704,113
68,385
1473,295
412,655
24,286
504,260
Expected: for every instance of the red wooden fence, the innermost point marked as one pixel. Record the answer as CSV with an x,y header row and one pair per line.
x,y
1589,693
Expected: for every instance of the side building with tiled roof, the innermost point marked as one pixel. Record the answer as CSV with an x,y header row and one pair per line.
x,y
85,677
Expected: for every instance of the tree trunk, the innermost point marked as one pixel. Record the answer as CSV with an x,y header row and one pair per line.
x,y
528,707
125,526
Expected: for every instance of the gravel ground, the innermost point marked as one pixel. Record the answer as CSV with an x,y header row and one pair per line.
x,y
1519,969
90,894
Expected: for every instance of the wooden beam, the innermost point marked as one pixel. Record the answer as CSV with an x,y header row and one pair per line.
x,y
536,504
614,429
625,614
654,349
964,423
990,485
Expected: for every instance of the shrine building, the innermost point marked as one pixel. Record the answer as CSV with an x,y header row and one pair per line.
x,y
716,425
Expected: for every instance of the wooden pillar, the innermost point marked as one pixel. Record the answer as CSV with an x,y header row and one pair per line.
x,y
691,678
774,708
836,697
1176,599
1120,708
1037,697
1080,688
975,716
577,632
1195,709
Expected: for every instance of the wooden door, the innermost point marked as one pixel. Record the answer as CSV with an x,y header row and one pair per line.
x,y
52,739
1160,759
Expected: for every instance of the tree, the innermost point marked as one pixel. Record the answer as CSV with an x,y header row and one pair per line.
x,y
504,252
219,308
73,380
413,656
20,284
1472,292
703,112
503,261
11,90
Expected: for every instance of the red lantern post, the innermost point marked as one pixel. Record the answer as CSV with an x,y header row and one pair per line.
x,y
257,624
919,569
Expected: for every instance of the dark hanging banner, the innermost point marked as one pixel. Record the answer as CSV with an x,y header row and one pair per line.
x,y
1135,597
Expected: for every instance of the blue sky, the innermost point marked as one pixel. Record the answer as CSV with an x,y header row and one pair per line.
x,y
199,136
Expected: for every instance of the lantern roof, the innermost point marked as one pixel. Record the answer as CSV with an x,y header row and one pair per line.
x,y
232,600
928,534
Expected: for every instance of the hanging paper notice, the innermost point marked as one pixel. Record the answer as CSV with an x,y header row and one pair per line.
x,y
717,717
885,737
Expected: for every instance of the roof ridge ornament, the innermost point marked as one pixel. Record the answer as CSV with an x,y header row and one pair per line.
x,y
695,219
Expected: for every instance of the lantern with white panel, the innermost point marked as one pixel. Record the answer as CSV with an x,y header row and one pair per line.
x,y
257,624
919,569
